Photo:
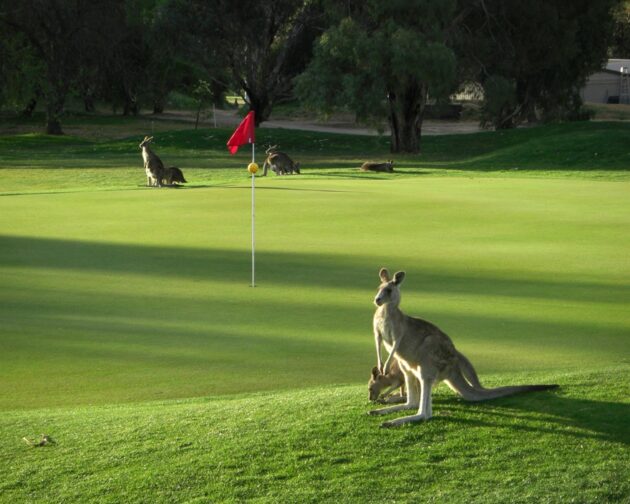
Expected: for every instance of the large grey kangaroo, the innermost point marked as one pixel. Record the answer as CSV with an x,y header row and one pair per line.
x,y
153,166
426,355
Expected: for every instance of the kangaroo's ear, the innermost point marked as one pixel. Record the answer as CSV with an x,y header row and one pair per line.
x,y
384,275
375,372
399,277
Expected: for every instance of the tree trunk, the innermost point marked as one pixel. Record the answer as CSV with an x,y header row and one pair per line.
x,y
54,108
88,103
55,95
406,111
198,113
218,90
158,104
261,105
29,108
130,106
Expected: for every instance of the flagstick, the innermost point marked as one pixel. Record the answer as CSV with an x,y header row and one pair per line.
x,y
253,224
244,134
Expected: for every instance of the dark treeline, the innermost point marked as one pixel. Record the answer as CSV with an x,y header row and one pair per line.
x,y
382,60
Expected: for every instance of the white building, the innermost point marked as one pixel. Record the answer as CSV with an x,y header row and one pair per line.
x,y
610,85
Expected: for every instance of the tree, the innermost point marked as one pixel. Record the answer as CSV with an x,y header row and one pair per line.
x,y
61,33
533,57
21,73
254,46
384,59
163,27
620,44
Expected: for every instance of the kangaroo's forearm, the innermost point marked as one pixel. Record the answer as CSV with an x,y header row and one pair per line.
x,y
389,357
378,341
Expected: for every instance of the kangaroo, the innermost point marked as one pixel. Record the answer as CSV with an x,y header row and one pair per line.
x,y
394,379
280,163
172,175
426,355
153,165
378,167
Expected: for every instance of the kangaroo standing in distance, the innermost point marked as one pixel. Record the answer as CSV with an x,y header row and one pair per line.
x,y
426,355
384,384
153,165
280,163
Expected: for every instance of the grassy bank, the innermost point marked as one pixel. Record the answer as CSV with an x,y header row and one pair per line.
x,y
592,150
318,445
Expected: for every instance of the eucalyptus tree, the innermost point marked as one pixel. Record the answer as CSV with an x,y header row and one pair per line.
x,y
383,60
533,57
60,33
21,73
256,47
620,44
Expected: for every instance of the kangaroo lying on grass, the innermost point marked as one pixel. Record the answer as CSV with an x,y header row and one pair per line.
x,y
153,166
378,167
426,355
394,379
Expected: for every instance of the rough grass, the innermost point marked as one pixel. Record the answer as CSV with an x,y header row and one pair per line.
x,y
318,445
594,150
118,301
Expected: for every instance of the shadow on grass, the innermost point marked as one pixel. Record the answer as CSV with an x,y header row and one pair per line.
x,y
202,325
307,269
548,412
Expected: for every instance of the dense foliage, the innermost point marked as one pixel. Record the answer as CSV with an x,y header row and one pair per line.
x,y
382,60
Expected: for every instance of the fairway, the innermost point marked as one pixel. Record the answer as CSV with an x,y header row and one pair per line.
x,y
132,295
131,335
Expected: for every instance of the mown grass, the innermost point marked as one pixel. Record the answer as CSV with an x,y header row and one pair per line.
x,y
146,291
114,296
594,150
318,445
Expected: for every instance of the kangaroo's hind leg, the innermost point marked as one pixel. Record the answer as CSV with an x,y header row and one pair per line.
x,y
458,383
425,411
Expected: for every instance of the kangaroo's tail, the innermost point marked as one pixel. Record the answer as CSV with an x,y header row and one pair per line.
x,y
468,371
470,392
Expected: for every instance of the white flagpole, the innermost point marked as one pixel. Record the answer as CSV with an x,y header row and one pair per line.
x,y
253,223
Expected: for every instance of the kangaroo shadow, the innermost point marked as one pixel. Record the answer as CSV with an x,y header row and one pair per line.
x,y
546,412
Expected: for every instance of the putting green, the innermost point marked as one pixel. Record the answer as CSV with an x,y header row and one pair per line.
x,y
113,296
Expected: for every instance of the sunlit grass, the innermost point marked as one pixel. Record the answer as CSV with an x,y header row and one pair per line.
x,y
502,265
317,444
130,333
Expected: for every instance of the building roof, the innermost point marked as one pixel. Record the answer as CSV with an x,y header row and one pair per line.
x,y
615,65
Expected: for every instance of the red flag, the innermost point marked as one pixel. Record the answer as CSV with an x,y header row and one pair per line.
x,y
242,135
